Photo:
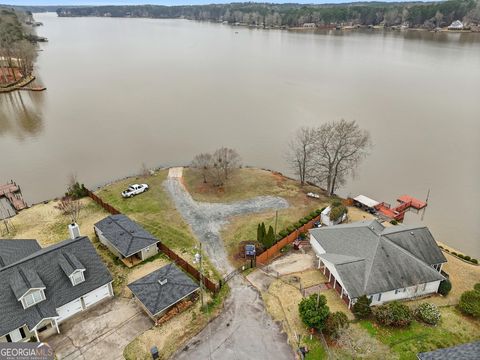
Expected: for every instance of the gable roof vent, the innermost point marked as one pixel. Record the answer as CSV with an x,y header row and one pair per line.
x,y
162,282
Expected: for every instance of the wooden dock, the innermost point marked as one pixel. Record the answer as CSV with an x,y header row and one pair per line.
x,y
12,192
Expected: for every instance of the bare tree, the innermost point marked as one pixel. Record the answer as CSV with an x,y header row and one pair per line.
x,y
70,207
227,160
144,171
203,162
301,151
330,153
341,145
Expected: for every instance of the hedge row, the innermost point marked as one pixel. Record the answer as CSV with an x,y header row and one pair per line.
x,y
461,256
300,223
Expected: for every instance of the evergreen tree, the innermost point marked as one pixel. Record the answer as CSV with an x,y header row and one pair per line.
x,y
362,308
270,238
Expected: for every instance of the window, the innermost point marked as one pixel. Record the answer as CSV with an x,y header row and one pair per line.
x,y
400,290
33,298
77,278
379,297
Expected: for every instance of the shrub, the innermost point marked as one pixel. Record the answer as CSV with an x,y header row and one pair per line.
x,y
318,211
303,236
440,246
454,253
428,313
475,261
470,303
361,309
394,222
309,217
283,233
476,287
336,322
303,221
313,315
337,212
393,314
76,191
468,258
291,229
461,256
298,225
447,250
313,214
444,287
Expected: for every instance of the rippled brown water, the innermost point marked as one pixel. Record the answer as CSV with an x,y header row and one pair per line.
x,y
126,91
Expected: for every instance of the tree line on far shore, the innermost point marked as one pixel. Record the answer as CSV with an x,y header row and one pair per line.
x,y
415,14
17,46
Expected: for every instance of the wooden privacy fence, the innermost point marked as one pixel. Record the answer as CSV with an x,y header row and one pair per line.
x,y
210,285
109,208
274,250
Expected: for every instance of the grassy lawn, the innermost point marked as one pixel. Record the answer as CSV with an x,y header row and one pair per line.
x,y
155,211
454,329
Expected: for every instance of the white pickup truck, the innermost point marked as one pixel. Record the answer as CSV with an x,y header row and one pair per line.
x,y
134,189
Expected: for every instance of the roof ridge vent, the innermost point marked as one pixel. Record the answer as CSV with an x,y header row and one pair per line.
x,y
162,282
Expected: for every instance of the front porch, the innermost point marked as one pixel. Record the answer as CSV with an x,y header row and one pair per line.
x,y
133,260
332,283
46,328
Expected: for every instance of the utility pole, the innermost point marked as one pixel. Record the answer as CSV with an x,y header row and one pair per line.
x,y
425,208
201,275
276,221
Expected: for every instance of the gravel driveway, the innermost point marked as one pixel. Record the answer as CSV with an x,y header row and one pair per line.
x,y
207,219
244,330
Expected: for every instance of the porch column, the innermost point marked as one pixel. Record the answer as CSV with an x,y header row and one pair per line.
x,y
349,302
56,325
341,293
330,277
36,334
319,263
334,282
324,270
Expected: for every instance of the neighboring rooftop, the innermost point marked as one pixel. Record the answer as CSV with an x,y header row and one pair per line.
x,y
125,234
43,269
470,351
163,288
371,259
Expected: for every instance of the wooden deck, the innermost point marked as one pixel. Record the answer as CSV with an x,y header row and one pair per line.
x,y
11,191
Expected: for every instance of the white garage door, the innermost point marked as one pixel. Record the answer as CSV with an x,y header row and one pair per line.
x,y
69,309
96,295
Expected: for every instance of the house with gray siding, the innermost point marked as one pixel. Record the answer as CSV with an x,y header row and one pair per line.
x,y
42,287
126,239
384,263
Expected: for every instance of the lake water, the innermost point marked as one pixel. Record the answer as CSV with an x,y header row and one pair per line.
x,y
122,92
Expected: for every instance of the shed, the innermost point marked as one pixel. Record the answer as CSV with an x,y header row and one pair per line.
x,y
162,289
126,239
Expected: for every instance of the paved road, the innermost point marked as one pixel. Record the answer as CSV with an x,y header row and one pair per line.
x,y
244,330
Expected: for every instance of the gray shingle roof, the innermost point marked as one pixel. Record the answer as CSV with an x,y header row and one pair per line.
x,y
470,351
69,263
125,234
45,265
371,259
13,250
157,297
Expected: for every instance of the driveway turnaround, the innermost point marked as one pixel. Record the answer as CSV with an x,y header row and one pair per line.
x,y
102,332
244,330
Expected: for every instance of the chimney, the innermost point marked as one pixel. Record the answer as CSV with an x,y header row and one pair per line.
x,y
73,230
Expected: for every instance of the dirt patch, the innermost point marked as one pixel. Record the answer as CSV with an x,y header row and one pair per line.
x,y
293,262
